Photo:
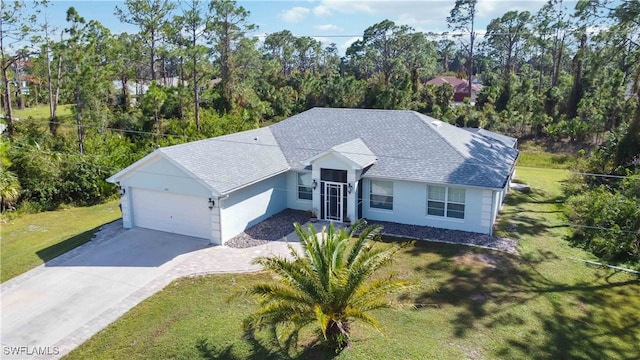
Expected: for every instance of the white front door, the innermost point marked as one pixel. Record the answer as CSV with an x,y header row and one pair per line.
x,y
333,195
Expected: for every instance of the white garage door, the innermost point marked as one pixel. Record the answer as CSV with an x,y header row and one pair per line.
x,y
174,213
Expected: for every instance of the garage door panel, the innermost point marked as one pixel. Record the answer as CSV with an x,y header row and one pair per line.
x,y
174,213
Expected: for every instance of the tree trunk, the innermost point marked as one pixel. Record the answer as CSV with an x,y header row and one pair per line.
x,y
56,98
7,100
541,68
79,120
49,84
471,43
556,72
125,93
7,85
156,118
196,96
153,54
470,68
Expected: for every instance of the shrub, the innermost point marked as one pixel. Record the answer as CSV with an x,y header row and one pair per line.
x,y
84,182
606,223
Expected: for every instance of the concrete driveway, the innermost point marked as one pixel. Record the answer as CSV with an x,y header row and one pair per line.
x,y
52,309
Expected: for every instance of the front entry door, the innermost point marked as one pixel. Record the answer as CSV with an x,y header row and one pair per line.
x,y
333,196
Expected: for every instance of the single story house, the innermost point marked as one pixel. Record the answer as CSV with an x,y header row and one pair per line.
x,y
343,164
460,86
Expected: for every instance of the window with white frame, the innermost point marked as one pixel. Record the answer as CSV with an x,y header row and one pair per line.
x,y
445,201
381,194
304,186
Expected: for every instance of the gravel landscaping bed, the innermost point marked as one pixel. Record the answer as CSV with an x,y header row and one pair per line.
x,y
273,228
281,225
448,236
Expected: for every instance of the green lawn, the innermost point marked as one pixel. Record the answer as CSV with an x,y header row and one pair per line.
x,y
534,155
472,303
32,239
41,112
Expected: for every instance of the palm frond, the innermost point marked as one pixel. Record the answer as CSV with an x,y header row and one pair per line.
x,y
328,284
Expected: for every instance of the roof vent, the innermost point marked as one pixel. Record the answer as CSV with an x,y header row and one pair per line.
x,y
436,123
255,138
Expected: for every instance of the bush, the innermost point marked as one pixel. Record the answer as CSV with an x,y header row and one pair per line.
x,y
40,175
607,223
84,182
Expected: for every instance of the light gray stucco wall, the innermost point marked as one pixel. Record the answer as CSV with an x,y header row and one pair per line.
x,y
252,204
410,207
160,175
292,194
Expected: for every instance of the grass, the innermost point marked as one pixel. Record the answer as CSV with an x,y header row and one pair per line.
x,y
33,239
535,155
471,303
41,112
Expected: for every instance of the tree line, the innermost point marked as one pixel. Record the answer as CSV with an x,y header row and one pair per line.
x,y
562,73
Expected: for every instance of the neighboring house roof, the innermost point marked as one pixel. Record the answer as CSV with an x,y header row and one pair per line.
x,y
394,144
459,85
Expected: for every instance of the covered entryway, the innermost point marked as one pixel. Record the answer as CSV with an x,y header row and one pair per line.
x,y
333,194
175,213
334,201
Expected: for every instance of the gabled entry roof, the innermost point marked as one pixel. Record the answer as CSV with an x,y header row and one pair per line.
x,y
397,144
354,152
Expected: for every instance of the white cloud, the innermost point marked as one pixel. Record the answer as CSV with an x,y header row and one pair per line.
x,y
326,27
295,14
321,10
349,6
426,15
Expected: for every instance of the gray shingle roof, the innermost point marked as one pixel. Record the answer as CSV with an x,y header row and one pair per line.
x,y
400,144
507,140
228,162
408,145
357,151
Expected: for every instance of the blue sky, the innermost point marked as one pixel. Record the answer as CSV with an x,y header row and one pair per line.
x,y
339,21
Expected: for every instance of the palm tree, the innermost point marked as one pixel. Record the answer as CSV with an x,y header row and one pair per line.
x,y
9,189
329,285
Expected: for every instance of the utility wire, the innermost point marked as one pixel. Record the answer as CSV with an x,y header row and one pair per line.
x,y
220,139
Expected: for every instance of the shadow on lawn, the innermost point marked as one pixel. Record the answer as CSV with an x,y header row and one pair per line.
x,y
574,320
261,349
64,246
519,220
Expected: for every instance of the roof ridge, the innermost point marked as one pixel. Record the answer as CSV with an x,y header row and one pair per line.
x,y
419,116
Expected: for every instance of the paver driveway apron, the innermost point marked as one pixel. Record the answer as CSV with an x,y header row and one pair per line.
x,y
61,298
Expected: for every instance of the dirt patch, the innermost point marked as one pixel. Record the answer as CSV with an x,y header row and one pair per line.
x,y
36,228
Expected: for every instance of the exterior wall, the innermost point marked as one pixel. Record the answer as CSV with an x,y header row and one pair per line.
x,y
160,175
125,207
332,162
216,234
252,204
292,194
410,207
